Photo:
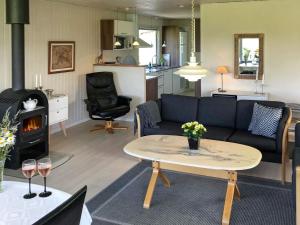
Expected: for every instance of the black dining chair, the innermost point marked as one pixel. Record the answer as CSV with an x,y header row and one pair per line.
x,y
68,213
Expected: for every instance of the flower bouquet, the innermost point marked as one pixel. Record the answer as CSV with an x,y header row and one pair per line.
x,y
8,128
193,131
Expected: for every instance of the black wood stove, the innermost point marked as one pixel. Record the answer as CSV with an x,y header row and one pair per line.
x,y
32,135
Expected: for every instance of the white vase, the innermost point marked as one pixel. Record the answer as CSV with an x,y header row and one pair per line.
x,y
2,162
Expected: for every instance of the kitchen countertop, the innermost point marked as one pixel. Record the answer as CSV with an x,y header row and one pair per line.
x,y
159,69
149,77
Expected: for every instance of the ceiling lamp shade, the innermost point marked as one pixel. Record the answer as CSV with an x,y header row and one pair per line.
x,y
193,71
222,70
135,43
164,45
117,43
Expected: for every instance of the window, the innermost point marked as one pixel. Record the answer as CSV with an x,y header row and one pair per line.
x,y
147,54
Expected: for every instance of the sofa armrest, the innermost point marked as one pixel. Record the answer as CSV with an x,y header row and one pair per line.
x,y
124,100
297,135
282,130
298,195
138,127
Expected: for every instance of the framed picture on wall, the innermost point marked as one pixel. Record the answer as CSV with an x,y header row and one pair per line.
x,y
61,56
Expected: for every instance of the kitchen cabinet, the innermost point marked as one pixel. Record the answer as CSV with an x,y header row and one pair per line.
x,y
151,89
168,81
123,28
176,83
110,29
170,34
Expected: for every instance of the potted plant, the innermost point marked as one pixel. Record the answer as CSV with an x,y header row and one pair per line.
x,y
246,55
8,128
193,131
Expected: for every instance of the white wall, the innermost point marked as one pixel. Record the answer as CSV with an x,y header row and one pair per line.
x,y
278,20
56,21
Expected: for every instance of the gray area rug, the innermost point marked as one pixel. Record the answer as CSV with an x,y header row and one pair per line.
x,y
192,200
57,159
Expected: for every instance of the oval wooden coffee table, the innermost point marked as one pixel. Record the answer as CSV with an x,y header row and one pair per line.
x,y
214,158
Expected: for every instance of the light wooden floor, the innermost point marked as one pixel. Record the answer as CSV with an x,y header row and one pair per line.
x,y
99,160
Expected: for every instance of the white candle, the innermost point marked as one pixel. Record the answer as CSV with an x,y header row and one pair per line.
x,y
263,79
36,81
256,75
41,80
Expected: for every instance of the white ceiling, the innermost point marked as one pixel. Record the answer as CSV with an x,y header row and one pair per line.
x,y
159,8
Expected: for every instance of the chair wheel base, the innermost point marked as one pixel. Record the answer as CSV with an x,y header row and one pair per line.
x,y
109,127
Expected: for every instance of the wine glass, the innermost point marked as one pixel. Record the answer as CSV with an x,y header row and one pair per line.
x,y
44,168
28,170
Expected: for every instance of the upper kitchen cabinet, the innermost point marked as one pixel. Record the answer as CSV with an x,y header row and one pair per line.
x,y
123,28
112,30
170,35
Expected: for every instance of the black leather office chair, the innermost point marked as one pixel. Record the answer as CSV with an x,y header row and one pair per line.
x,y
103,102
68,212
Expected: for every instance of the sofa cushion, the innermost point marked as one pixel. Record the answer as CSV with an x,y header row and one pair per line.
x,y
265,120
219,112
245,111
165,128
177,108
218,133
259,142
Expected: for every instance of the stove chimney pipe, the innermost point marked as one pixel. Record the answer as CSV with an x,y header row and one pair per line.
x,y
17,14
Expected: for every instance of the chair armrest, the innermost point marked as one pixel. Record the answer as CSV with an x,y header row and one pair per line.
x,y
124,100
92,106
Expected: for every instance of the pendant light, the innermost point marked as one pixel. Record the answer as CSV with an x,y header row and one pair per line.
x,y
136,42
164,45
193,71
117,43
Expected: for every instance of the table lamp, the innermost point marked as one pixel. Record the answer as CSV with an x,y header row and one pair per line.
x,y
222,70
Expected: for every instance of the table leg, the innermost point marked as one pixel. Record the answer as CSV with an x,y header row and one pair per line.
x,y
151,185
164,179
237,193
231,188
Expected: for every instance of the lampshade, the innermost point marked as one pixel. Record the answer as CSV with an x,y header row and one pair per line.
x,y
117,43
193,71
222,70
136,43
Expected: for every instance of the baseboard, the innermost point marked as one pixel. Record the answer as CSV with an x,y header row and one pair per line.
x,y
55,128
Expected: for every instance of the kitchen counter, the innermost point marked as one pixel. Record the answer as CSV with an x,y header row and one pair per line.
x,y
159,69
149,77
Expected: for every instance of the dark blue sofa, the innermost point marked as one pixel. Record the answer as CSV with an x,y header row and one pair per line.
x,y
226,119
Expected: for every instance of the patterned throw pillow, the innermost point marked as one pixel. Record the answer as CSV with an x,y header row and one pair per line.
x,y
265,120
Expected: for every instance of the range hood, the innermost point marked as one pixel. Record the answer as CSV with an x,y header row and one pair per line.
x,y
143,44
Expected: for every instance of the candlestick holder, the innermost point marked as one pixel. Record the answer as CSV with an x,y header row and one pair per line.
x,y
40,88
262,88
256,87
